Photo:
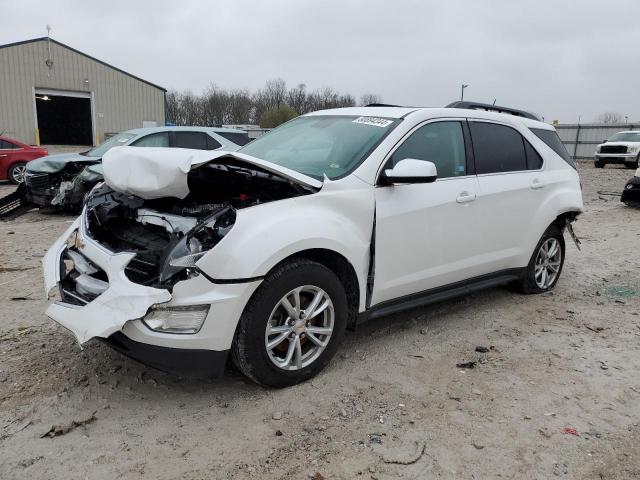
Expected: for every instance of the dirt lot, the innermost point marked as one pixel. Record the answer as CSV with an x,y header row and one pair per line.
x,y
391,405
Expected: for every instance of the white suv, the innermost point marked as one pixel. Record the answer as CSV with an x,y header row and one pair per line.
x,y
622,148
271,252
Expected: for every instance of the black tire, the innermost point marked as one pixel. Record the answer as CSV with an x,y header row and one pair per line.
x,y
599,164
15,174
633,165
249,352
527,283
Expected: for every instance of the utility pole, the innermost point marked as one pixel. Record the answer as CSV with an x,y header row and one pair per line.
x,y
462,92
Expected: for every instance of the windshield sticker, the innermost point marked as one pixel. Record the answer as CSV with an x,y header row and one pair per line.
x,y
374,121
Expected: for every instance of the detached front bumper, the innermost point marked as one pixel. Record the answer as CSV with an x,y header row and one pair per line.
x,y
115,315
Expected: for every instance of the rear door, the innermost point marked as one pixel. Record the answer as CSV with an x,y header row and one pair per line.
x,y
426,235
511,186
8,155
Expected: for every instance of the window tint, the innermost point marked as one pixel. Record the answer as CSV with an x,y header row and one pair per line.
x,y
212,143
441,143
497,148
160,139
534,160
195,140
551,138
238,138
4,145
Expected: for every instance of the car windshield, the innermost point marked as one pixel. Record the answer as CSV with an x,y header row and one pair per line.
x,y
625,137
115,141
322,145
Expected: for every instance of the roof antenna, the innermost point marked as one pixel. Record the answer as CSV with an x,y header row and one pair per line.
x,y
49,61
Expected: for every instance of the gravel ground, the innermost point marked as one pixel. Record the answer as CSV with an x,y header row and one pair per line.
x,y
391,405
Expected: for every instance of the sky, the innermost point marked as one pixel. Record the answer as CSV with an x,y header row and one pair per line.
x,y
562,59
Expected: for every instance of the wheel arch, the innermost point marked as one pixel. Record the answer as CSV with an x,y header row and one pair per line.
x,y
343,269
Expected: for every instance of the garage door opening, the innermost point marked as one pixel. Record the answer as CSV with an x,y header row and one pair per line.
x,y
64,119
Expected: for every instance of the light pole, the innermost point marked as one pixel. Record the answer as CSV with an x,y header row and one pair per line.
x,y
462,91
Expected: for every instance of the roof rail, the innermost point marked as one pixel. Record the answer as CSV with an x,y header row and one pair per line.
x,y
492,108
382,105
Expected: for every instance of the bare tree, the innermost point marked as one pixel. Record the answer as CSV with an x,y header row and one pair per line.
x,y
609,117
369,98
219,106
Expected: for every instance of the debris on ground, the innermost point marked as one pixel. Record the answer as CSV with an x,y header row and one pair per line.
x,y
14,269
408,461
468,365
570,431
57,430
15,427
481,349
318,476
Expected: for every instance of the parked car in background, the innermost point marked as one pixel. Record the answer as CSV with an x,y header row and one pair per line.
x,y
269,253
631,192
14,157
61,181
623,148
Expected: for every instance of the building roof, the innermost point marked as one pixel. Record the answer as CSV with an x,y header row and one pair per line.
x,y
40,39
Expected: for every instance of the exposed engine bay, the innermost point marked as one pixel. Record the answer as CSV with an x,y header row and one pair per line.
x,y
169,235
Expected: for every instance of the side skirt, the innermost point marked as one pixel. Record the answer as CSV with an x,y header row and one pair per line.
x,y
440,294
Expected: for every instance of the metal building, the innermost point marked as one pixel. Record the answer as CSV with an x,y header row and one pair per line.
x,y
53,94
581,139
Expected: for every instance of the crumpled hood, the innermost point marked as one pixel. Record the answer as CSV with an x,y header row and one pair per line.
x,y
55,163
157,172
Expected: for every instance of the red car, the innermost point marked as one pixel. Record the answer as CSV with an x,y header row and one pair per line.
x,y
14,156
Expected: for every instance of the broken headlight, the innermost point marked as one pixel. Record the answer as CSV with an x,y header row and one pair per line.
x,y
195,244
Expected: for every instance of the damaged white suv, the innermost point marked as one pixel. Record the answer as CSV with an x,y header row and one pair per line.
x,y
269,253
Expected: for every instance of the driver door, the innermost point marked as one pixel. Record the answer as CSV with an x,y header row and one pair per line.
x,y
428,235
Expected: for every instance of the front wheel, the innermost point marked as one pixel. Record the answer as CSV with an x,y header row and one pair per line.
x,y
16,173
545,266
631,164
292,325
599,164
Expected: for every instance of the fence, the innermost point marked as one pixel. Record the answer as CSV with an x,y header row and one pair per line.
x,y
581,140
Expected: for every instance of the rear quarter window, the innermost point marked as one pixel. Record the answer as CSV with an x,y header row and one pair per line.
x,y
551,138
240,139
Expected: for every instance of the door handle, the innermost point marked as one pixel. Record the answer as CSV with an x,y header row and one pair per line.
x,y
536,184
465,197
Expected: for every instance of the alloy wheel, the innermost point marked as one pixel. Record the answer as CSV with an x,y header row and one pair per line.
x,y
299,327
548,263
18,172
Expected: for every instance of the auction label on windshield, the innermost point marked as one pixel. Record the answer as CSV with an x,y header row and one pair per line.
x,y
374,121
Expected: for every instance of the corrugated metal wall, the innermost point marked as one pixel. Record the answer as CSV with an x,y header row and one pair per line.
x,y
581,140
120,101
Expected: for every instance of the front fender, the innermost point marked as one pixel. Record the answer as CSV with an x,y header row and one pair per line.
x,y
333,219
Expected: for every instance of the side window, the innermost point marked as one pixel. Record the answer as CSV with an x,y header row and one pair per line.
x,y
240,139
550,137
212,143
194,140
534,160
160,139
497,148
4,145
441,143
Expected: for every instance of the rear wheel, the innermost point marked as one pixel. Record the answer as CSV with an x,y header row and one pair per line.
x,y
546,263
599,164
292,326
16,173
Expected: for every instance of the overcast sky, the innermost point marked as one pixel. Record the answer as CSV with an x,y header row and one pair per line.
x,y
559,58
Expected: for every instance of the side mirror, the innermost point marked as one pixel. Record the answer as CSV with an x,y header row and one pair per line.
x,y
410,170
